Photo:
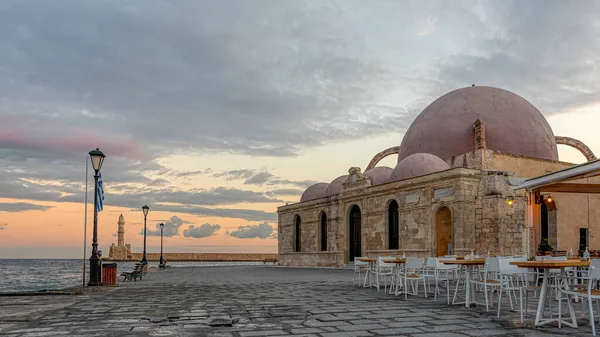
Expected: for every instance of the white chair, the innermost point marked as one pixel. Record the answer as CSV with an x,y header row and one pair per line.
x,y
443,273
384,270
414,272
515,279
490,278
589,293
358,267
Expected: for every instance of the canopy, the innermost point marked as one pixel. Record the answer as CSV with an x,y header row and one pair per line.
x,y
557,181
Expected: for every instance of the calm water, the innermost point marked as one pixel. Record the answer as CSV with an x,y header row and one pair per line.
x,y
33,275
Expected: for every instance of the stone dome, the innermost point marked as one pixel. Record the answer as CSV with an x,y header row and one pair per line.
x,y
512,125
379,175
315,191
336,185
418,164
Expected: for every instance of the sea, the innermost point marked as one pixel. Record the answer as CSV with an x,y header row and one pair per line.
x,y
31,275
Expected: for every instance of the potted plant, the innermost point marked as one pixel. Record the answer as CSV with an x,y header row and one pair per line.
x,y
545,248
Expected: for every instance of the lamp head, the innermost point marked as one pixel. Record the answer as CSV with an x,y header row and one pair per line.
x,y
145,209
97,158
549,199
162,225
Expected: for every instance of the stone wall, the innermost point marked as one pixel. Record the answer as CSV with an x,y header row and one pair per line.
x,y
203,256
481,217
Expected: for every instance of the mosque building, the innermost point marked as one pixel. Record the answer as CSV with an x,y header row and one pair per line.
x,y
450,192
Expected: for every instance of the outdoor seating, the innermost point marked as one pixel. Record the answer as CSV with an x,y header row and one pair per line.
x,y
358,267
414,272
589,293
137,272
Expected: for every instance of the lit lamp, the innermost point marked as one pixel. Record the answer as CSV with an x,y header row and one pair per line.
x,y
549,198
510,201
162,261
97,158
145,209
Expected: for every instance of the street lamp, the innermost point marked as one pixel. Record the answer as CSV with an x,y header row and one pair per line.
x,y
145,209
97,158
162,225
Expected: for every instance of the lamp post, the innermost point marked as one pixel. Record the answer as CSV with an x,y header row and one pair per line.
x,y
145,209
162,225
97,158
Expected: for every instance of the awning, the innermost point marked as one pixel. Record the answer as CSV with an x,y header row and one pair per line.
x,y
555,181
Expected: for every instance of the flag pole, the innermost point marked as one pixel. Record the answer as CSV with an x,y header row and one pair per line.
x,y
85,219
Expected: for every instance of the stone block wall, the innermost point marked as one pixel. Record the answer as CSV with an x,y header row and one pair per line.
x,y
482,220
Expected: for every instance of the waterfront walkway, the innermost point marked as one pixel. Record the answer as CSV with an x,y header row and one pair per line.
x,y
263,301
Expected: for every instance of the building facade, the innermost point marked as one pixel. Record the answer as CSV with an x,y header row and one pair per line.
x,y
451,191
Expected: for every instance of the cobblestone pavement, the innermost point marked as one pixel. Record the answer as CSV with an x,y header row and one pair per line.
x,y
264,301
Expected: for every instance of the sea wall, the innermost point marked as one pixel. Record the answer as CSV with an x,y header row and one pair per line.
x,y
171,257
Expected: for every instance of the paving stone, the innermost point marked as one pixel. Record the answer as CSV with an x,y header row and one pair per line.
x,y
265,302
347,334
395,331
360,327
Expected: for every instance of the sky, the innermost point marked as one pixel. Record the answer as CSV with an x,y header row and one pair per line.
x,y
214,113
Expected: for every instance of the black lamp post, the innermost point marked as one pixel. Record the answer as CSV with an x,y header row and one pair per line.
x,y
97,158
145,209
162,225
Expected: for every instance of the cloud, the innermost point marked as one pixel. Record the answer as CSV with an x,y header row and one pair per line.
x,y
261,231
3,226
259,178
171,228
284,191
253,177
203,231
21,207
116,234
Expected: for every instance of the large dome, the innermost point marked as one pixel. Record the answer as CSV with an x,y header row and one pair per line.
x,y
512,125
418,164
379,175
335,187
315,191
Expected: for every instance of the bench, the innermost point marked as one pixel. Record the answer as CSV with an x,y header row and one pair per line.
x,y
137,272
272,260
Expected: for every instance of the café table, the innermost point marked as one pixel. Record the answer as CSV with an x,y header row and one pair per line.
x,y
546,265
464,265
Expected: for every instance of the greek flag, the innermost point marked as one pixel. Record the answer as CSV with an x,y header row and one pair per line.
x,y
100,198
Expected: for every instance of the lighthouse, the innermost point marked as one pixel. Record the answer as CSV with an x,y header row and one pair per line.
x,y
121,232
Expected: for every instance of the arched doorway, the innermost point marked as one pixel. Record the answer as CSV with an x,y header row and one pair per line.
x,y
543,222
298,235
354,233
323,232
393,234
444,231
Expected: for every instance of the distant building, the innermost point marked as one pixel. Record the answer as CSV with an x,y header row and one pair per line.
x,y
121,251
450,192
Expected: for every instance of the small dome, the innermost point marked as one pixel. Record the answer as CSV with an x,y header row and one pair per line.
x,y
315,191
418,164
512,125
336,185
379,175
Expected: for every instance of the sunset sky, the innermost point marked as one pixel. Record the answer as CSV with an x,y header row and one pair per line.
x,y
214,113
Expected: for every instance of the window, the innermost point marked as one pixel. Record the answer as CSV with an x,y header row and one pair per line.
x,y
393,233
583,238
323,232
298,222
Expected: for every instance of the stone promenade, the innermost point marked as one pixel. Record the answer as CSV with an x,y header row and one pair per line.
x,y
262,301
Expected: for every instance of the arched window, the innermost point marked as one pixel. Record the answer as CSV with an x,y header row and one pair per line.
x,y
323,232
393,235
297,225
